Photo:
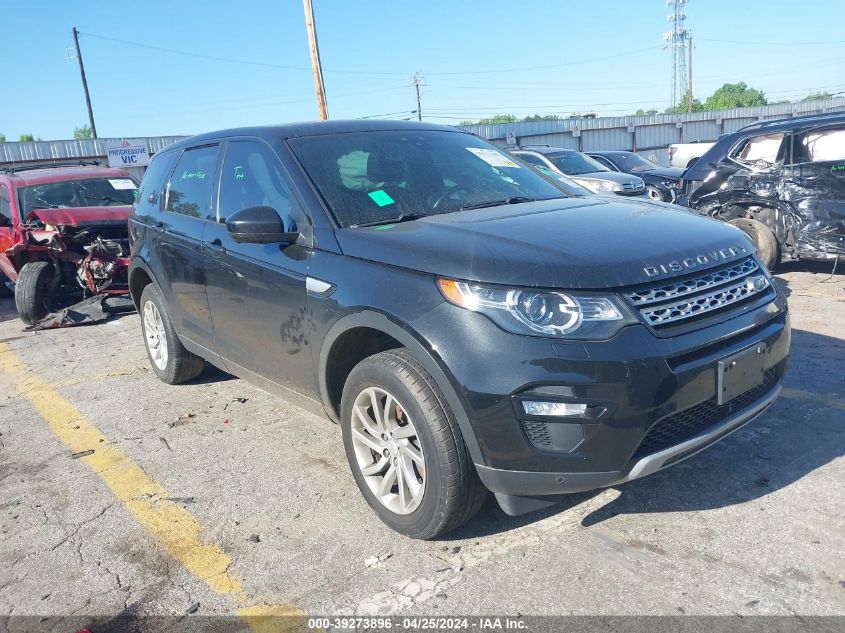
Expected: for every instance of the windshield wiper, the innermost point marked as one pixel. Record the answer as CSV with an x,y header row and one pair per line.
x,y
498,203
405,217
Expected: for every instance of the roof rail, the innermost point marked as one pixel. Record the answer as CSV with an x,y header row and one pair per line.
x,y
805,118
13,169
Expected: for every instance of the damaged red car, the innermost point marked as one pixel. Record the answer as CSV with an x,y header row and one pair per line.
x,y
63,235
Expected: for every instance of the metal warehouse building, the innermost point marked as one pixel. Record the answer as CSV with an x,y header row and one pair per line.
x,y
646,135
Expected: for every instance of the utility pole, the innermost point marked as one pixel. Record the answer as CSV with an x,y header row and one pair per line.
x,y
84,83
315,61
689,74
416,82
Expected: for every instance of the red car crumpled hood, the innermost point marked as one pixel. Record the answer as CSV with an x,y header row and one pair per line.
x,y
82,216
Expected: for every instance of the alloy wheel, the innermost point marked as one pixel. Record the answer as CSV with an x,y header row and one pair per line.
x,y
388,450
155,335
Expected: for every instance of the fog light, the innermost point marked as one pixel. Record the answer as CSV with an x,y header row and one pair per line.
x,y
557,409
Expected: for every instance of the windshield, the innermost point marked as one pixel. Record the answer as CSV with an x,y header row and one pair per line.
x,y
88,192
632,162
574,163
369,177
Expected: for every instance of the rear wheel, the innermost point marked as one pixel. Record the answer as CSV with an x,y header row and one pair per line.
x,y
34,292
405,449
170,361
764,240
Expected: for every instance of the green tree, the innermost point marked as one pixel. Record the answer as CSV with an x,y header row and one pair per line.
x,y
683,105
466,122
82,132
642,112
498,118
2,137
737,95
26,137
542,117
818,95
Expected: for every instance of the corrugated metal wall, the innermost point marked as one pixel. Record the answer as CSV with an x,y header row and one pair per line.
x,y
652,134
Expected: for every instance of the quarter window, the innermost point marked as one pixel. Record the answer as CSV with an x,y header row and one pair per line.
x,y
189,190
252,177
154,178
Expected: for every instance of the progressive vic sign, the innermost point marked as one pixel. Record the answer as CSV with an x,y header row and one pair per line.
x,y
127,153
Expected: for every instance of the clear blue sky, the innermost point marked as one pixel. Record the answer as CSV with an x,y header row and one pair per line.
x,y
467,51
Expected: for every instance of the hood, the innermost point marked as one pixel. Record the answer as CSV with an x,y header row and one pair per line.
x,y
667,173
589,243
612,176
84,216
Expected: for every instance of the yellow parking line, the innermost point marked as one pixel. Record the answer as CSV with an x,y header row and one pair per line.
x,y
169,523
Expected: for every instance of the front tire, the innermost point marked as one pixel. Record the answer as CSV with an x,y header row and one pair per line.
x,y
405,449
33,297
654,193
170,361
764,240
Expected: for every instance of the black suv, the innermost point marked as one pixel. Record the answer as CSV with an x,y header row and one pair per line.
x,y
782,182
468,325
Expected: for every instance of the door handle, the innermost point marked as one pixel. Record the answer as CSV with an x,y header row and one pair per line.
x,y
216,247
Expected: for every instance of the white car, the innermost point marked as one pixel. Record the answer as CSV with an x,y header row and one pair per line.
x,y
685,154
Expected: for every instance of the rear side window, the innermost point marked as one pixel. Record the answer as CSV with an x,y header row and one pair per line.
x,y
189,190
154,178
819,146
5,207
252,177
764,148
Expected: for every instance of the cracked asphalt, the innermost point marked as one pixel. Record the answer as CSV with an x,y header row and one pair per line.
x,y
267,515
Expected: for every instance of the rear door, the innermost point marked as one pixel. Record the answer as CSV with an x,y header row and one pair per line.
x,y
176,240
814,183
256,292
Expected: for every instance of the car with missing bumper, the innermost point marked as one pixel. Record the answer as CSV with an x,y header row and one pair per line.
x,y
469,325
782,182
63,235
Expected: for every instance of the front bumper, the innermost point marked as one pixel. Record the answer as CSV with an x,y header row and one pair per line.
x,y
636,379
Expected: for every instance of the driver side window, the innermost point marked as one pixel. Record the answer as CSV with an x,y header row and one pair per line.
x,y
765,148
252,177
5,208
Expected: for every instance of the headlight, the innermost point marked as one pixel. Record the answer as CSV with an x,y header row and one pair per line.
x,y
599,186
539,312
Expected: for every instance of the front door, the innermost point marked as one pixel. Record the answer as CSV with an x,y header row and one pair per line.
x,y
256,292
177,233
6,229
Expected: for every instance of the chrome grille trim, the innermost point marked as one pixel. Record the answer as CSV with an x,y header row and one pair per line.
x,y
631,185
713,279
682,310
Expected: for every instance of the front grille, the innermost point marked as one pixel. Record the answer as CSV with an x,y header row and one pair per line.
x,y
681,426
538,433
632,185
679,301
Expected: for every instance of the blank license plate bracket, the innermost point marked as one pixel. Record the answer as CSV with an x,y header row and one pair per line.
x,y
737,373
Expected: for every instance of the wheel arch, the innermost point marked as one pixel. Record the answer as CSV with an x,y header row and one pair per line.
x,y
343,336
140,276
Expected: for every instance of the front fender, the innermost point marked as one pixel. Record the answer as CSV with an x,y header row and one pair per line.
x,y
414,344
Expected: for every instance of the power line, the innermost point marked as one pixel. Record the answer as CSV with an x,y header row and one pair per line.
x,y
757,43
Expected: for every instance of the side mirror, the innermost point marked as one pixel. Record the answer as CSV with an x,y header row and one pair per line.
x,y
259,225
